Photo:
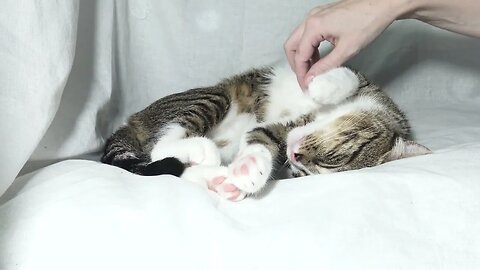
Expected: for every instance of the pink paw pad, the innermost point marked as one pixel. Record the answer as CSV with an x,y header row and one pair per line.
x,y
230,188
243,169
235,195
215,182
225,189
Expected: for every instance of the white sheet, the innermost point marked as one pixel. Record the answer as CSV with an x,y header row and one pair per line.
x,y
419,213
411,214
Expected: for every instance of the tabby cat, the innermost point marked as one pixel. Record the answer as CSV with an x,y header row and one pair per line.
x,y
231,136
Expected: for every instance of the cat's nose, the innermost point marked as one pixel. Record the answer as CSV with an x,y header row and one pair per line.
x,y
297,157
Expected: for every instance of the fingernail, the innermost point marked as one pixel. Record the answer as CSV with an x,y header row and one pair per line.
x,y
309,80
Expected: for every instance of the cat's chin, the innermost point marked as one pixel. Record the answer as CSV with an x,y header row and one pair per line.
x,y
295,175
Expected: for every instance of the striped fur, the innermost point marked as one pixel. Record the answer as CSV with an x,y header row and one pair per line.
x,y
265,107
197,110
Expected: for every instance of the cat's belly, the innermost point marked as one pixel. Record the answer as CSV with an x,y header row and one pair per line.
x,y
227,135
229,151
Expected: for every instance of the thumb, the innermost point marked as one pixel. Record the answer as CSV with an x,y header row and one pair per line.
x,y
335,58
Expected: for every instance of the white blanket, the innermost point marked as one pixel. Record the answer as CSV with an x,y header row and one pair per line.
x,y
417,213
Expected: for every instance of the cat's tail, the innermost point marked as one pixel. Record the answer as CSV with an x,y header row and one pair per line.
x,y
124,150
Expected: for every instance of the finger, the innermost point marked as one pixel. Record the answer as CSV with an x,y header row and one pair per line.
x,y
306,48
291,44
315,57
335,58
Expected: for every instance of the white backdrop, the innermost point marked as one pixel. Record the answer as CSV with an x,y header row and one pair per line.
x,y
130,53
72,71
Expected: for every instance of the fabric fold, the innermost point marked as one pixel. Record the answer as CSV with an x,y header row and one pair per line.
x,y
37,47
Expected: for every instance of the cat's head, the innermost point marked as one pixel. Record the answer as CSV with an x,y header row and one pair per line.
x,y
347,143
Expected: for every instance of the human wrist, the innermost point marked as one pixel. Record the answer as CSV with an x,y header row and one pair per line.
x,y
392,10
407,9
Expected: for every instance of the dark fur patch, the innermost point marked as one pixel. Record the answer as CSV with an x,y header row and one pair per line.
x,y
168,165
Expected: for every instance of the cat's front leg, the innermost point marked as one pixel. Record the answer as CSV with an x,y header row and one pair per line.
x,y
333,86
193,150
254,163
251,168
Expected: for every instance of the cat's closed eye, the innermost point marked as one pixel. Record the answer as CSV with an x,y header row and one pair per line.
x,y
328,166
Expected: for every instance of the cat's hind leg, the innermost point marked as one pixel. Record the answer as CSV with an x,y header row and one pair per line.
x,y
215,178
190,151
202,157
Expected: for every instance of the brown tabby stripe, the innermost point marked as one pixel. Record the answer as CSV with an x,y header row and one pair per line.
x,y
178,104
364,146
185,99
181,101
261,130
199,117
197,122
205,112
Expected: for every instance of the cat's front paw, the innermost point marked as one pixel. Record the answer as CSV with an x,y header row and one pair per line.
x,y
333,87
251,169
215,179
224,188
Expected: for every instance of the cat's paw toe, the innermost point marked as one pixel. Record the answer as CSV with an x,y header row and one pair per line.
x,y
250,171
215,179
225,189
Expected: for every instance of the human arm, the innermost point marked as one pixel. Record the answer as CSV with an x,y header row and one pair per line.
x,y
350,25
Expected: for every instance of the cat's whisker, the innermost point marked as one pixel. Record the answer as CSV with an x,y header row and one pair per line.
x,y
284,164
334,132
337,131
354,133
324,139
205,126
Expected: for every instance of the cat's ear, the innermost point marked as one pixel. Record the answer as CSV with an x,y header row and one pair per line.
x,y
405,148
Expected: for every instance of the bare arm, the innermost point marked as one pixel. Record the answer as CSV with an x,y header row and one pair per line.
x,y
460,16
350,25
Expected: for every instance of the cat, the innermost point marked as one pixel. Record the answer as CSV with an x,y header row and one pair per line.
x,y
230,137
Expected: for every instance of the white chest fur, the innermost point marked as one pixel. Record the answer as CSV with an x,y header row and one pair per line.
x,y
287,100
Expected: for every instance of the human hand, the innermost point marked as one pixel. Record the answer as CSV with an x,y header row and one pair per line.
x,y
349,25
